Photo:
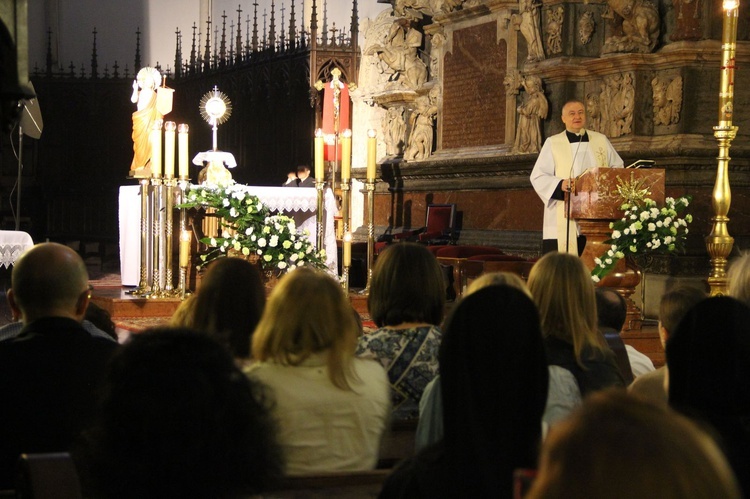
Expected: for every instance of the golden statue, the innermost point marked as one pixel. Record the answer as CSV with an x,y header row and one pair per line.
x,y
153,102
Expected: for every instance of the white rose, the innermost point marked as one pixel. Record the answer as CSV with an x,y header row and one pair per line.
x,y
282,265
262,242
225,202
651,227
274,241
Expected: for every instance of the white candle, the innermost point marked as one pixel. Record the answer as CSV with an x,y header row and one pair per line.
x,y
372,148
319,163
169,136
182,147
347,249
156,149
185,237
346,155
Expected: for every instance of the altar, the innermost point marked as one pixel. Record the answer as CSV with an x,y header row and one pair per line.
x,y
12,245
298,203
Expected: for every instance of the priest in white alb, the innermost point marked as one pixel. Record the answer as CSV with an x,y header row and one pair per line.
x,y
564,157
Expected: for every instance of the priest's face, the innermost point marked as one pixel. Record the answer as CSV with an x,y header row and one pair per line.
x,y
574,116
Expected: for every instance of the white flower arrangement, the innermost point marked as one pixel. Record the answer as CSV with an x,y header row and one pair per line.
x,y
248,228
645,228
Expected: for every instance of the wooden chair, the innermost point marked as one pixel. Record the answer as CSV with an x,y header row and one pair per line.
x,y
398,442
474,267
455,256
47,476
349,485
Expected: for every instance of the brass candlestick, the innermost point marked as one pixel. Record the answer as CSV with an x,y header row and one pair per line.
x,y
370,187
319,185
185,237
345,215
169,184
143,287
719,243
157,225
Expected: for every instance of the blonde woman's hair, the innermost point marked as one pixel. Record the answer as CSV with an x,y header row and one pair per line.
x,y
498,279
308,313
739,278
563,291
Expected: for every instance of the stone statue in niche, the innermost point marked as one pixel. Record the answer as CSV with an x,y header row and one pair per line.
x,y
530,113
553,30
667,100
528,22
399,52
617,102
687,20
394,128
593,112
586,27
640,27
421,121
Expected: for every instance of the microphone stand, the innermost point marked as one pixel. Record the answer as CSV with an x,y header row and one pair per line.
x,y
20,171
570,190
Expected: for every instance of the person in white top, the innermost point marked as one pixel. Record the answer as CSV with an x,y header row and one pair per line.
x,y
564,157
331,407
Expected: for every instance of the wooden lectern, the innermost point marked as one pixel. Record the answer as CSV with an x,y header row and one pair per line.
x,y
595,202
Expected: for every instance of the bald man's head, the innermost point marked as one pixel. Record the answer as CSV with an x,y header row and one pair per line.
x,y
49,280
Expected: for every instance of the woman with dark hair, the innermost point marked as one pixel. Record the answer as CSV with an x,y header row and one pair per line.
x,y
709,375
494,381
227,305
178,419
564,294
406,302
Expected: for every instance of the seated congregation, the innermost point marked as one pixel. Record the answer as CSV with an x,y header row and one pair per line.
x,y
245,395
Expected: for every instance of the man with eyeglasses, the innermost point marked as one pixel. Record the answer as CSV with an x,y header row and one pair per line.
x,y
50,371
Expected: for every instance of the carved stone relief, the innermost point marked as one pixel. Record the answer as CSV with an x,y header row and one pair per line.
x,y
417,8
688,20
593,112
437,40
528,22
422,121
553,30
530,113
586,27
667,93
394,129
616,103
374,74
640,27
399,51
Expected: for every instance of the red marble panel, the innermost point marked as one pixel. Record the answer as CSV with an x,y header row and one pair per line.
x,y
473,91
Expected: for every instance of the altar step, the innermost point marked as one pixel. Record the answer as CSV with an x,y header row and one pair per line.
x,y
120,303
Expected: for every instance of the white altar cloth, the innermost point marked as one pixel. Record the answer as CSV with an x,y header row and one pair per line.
x,y
300,203
12,244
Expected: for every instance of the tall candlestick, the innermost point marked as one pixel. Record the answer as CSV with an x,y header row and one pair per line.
x,y
372,148
182,147
347,249
346,155
156,149
169,137
319,165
